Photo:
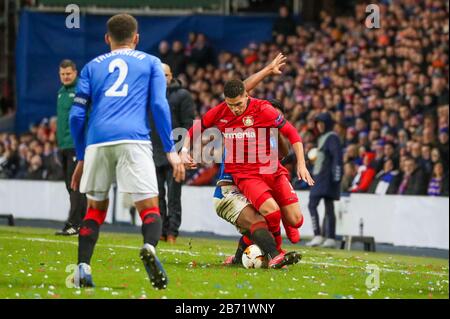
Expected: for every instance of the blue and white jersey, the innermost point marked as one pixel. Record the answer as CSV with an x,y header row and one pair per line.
x,y
118,89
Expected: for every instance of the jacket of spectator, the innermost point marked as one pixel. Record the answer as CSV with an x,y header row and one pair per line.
x,y
438,185
183,112
328,167
349,175
413,180
365,176
387,180
65,98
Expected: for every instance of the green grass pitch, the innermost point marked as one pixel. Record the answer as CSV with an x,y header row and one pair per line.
x,y
36,264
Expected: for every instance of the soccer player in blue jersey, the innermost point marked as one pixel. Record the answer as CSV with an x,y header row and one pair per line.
x,y
118,89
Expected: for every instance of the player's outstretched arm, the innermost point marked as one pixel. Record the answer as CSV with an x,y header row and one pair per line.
x,y
273,68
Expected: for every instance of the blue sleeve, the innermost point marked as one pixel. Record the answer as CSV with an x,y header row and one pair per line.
x,y
160,107
335,149
77,117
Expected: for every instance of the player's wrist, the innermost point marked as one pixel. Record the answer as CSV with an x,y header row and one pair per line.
x,y
184,150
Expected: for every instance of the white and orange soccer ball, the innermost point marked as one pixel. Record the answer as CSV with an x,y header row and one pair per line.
x,y
253,257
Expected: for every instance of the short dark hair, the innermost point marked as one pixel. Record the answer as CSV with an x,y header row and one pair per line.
x,y
121,27
66,63
233,88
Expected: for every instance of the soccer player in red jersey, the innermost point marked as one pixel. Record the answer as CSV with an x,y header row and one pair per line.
x,y
245,123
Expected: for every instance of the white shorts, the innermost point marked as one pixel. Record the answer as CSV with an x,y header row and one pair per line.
x,y
130,164
230,206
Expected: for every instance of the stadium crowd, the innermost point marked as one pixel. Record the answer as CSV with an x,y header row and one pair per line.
x,y
387,90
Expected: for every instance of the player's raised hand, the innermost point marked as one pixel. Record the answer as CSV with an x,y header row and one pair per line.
x,y
179,173
76,176
276,64
303,174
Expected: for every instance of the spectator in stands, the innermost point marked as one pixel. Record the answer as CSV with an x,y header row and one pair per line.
x,y
436,157
202,54
413,179
438,185
365,175
182,108
22,161
439,88
443,143
426,162
164,51
3,160
387,180
284,24
349,174
66,94
177,59
35,170
51,162
192,36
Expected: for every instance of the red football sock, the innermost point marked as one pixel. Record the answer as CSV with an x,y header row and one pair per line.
x,y
273,222
247,240
96,215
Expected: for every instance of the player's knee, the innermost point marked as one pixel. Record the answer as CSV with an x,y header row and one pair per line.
x,y
298,220
267,205
293,215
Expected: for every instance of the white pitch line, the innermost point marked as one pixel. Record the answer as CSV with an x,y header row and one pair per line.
x,y
404,272
45,240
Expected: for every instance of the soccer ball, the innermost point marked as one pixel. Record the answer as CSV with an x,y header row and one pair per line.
x,y
252,257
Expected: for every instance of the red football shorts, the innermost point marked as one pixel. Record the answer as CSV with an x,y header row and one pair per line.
x,y
259,188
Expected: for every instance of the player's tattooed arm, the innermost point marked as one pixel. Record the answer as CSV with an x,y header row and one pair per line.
x,y
273,68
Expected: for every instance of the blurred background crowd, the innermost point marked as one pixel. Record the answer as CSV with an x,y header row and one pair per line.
x,y
387,90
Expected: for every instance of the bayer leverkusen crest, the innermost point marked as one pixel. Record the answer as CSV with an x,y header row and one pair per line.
x,y
248,120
